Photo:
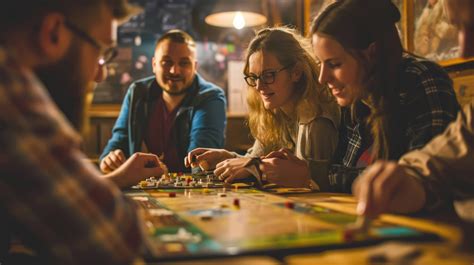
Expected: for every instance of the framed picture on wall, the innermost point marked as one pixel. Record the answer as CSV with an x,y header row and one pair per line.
x,y
434,38
424,29
317,6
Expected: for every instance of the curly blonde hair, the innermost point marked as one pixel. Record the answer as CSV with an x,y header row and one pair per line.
x,y
272,127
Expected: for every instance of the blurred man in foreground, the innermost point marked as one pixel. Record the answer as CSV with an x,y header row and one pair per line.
x,y
51,199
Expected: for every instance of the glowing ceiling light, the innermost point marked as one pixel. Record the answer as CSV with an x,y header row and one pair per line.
x,y
239,21
237,14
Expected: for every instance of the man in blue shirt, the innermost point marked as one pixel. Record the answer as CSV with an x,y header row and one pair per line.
x,y
171,113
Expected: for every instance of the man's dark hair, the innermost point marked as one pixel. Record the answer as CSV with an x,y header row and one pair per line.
x,y
178,36
17,13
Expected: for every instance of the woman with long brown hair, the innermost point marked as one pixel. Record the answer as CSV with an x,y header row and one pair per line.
x,y
392,102
288,109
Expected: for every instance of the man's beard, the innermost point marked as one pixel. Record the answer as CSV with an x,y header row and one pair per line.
x,y
177,92
67,86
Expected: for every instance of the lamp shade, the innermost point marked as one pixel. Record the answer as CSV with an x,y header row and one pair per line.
x,y
236,13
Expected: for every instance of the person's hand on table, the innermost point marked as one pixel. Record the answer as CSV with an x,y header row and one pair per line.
x,y
388,187
232,169
283,168
112,161
138,167
206,158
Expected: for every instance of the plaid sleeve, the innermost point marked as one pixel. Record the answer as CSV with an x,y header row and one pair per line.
x,y
429,103
60,205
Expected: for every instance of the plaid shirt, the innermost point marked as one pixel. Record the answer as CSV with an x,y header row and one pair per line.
x,y
53,200
428,104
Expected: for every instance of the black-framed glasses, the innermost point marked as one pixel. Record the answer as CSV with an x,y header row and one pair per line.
x,y
107,53
267,77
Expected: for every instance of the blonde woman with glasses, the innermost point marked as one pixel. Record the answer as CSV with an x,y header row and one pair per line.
x,y
292,117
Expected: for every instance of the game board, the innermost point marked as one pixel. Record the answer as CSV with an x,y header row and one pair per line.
x,y
202,223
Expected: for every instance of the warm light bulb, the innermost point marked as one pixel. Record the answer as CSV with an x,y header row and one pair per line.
x,y
138,40
239,21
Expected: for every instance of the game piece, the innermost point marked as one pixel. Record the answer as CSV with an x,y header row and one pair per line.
x,y
143,183
141,198
174,247
172,194
221,194
146,184
206,217
164,182
160,212
236,202
182,236
289,205
348,235
206,190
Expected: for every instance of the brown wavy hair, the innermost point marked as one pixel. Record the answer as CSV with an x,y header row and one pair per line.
x,y
273,128
356,24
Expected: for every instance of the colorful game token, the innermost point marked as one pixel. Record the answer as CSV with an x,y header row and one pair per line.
x,y
143,183
289,205
221,194
172,194
348,235
236,202
206,217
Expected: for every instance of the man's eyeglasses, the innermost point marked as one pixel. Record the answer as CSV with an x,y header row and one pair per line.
x,y
107,53
267,77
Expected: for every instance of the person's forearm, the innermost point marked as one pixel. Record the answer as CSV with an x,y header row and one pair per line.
x,y
116,178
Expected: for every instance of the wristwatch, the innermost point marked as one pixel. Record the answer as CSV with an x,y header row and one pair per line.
x,y
253,167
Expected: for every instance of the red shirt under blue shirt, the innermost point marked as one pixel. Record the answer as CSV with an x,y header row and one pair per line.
x,y
160,139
